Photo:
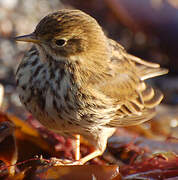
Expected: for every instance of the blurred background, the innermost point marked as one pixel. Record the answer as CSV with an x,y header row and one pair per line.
x,y
146,28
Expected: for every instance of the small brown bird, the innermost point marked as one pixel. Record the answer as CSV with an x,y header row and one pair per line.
x,y
75,80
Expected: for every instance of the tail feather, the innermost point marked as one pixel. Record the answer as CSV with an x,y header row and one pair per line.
x,y
148,93
155,100
146,69
147,72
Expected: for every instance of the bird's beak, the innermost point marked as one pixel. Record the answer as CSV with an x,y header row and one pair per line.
x,y
27,38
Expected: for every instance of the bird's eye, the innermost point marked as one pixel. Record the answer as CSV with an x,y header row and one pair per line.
x,y
60,42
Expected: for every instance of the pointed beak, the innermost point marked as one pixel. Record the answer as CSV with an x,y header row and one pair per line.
x,y
27,38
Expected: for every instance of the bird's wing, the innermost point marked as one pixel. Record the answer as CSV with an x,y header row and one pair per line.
x,y
135,99
145,69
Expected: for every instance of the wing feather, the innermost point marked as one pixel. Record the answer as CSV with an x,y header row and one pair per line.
x,y
126,86
134,119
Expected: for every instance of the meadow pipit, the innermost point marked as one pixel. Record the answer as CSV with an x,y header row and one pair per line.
x,y
75,80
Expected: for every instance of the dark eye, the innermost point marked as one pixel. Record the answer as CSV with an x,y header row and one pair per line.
x,y
60,42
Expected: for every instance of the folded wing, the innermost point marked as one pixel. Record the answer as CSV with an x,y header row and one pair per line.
x,y
135,99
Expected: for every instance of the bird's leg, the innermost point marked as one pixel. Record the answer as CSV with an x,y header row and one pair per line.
x,y
59,162
77,147
78,161
90,156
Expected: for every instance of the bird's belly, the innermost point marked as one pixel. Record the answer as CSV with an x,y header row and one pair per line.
x,y
70,115
60,120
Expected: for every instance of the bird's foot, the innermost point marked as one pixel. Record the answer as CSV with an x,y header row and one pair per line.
x,y
64,162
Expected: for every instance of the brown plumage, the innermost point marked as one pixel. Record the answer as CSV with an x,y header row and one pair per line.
x,y
75,80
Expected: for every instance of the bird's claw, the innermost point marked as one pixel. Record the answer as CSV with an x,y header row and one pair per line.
x,y
64,162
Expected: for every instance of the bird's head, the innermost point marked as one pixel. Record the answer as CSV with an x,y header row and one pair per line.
x,y
67,33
